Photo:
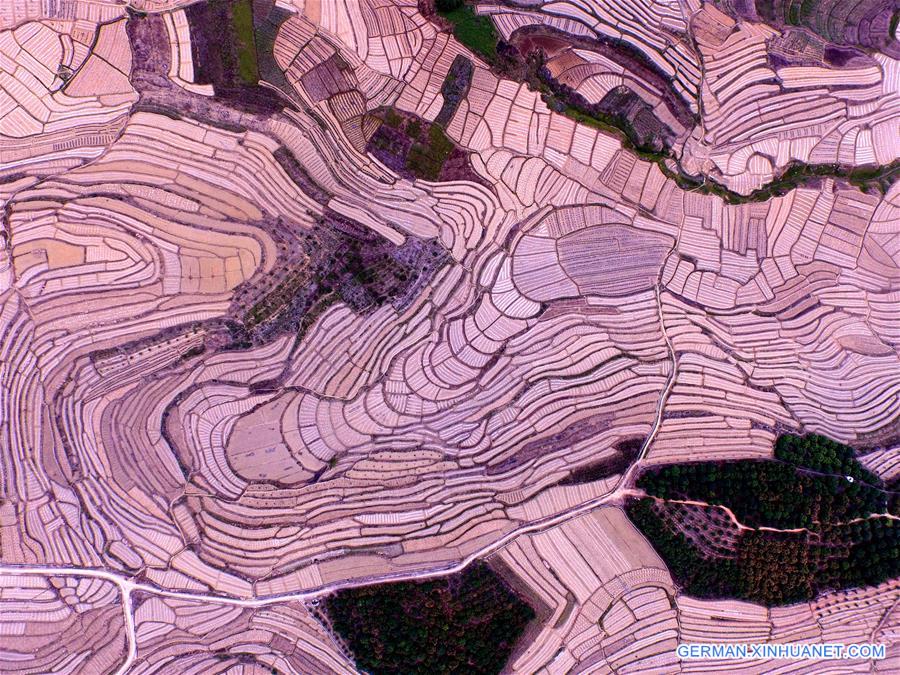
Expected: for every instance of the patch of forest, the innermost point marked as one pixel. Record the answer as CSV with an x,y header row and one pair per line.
x,y
414,148
454,88
790,493
815,486
338,260
465,623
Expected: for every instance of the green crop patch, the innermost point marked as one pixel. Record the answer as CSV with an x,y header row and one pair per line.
x,y
242,20
474,31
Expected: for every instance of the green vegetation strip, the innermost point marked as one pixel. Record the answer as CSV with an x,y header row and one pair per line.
x,y
813,483
242,21
467,623
797,174
477,33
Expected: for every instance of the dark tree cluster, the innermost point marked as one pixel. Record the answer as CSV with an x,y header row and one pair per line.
x,y
454,89
823,455
467,623
844,543
767,493
697,574
775,568
339,260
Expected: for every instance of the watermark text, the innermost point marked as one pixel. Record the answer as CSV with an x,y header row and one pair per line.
x,y
793,651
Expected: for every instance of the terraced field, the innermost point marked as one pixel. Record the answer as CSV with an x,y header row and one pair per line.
x,y
309,307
